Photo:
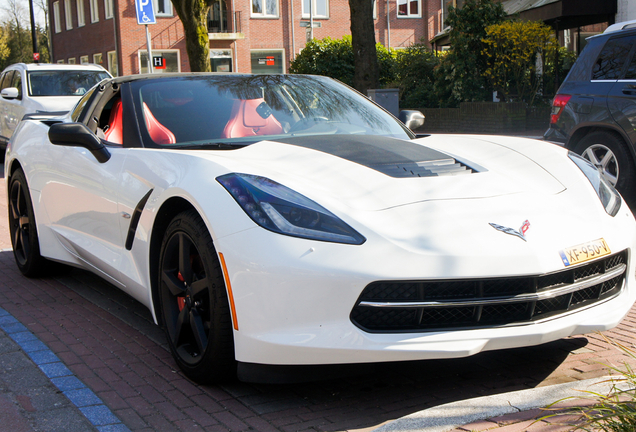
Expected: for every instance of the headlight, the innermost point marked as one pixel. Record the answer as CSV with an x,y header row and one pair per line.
x,y
609,197
282,210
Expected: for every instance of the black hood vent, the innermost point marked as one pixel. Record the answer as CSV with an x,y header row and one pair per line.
x,y
390,156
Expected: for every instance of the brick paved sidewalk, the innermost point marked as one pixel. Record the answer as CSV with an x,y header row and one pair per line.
x,y
109,342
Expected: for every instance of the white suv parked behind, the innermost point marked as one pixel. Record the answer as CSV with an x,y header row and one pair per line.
x,y
33,88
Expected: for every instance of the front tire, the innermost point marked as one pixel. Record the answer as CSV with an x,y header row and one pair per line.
x,y
23,230
193,302
607,151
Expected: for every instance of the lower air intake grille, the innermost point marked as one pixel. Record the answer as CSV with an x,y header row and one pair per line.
x,y
418,306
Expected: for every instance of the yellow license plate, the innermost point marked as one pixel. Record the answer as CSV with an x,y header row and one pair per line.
x,y
584,252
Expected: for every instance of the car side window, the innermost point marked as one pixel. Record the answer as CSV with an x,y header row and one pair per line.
x,y
17,83
610,62
631,69
6,80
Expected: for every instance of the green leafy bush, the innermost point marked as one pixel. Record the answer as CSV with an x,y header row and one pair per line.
x,y
414,75
459,77
328,57
334,58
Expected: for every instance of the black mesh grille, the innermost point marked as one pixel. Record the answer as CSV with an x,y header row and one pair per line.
x,y
446,316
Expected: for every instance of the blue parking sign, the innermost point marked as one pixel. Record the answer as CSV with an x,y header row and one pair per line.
x,y
145,12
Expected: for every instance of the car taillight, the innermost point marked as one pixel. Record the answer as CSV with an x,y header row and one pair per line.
x,y
559,102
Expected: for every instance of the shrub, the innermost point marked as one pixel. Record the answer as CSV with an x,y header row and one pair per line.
x,y
334,58
512,49
414,75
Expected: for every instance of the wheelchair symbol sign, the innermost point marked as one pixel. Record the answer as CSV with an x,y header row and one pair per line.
x,y
145,12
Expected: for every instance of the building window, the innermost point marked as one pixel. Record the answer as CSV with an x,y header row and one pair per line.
x,y
170,61
56,17
68,14
221,60
163,8
108,9
80,13
321,8
60,62
84,60
71,60
97,59
112,63
409,9
268,61
94,11
445,5
265,8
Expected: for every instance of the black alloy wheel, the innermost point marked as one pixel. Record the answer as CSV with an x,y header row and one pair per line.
x,y
24,235
194,303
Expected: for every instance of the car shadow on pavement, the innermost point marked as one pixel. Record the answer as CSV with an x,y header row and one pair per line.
x,y
367,396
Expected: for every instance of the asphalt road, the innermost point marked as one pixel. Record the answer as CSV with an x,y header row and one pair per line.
x,y
109,341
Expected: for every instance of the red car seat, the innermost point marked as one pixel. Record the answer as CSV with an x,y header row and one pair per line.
x,y
158,132
245,120
114,132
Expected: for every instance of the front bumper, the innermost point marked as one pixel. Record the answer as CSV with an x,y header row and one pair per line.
x,y
294,297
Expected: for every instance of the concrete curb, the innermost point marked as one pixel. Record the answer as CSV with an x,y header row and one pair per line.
x,y
453,415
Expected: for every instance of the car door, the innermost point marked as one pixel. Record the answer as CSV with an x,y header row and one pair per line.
x,y
80,197
7,79
621,99
15,107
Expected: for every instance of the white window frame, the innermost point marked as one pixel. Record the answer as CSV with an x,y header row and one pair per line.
x,y
269,51
56,17
84,59
305,13
60,62
408,10
108,9
81,16
156,53
68,15
264,14
72,60
110,65
94,11
98,58
169,10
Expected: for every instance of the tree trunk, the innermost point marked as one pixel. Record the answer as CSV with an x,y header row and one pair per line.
x,y
366,74
194,17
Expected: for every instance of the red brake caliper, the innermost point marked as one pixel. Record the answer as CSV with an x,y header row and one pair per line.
x,y
180,300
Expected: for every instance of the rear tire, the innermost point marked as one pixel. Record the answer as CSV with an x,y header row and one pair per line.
x,y
608,152
24,235
193,302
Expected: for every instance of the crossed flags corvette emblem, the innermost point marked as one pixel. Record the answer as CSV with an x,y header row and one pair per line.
x,y
521,233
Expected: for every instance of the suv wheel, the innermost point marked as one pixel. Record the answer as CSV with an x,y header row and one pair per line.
x,y
607,151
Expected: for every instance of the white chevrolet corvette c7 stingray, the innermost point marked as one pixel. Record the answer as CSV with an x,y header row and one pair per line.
x,y
270,221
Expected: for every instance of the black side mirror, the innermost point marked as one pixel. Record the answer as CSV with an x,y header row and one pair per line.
x,y
412,119
78,135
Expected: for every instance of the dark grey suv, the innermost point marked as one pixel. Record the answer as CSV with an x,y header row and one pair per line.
x,y
594,112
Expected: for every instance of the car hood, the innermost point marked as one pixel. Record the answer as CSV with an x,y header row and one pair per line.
x,y
52,103
375,173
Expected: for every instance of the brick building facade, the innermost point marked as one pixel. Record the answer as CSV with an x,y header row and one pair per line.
x,y
245,35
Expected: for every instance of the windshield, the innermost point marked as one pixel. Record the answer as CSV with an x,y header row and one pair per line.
x,y
241,109
63,82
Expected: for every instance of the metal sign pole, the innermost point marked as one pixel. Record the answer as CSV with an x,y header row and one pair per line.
x,y
150,67
311,19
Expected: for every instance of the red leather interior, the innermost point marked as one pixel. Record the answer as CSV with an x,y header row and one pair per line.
x,y
246,121
158,132
114,132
